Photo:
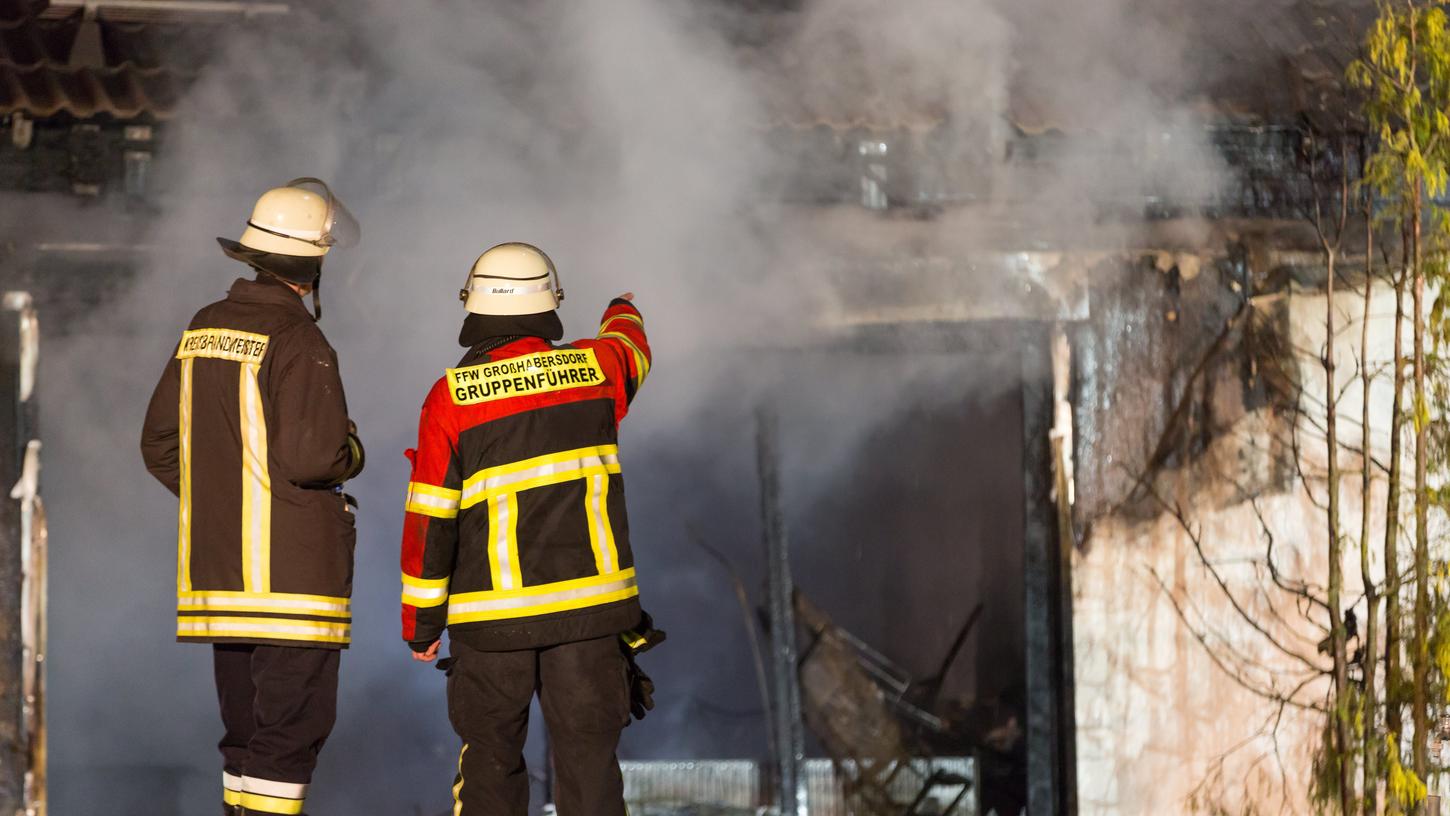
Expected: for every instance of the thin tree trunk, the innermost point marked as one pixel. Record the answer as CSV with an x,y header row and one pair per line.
x,y
1422,538
1394,637
1369,649
1342,726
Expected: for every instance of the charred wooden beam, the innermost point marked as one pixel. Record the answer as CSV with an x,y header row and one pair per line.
x,y
786,711
22,589
1050,716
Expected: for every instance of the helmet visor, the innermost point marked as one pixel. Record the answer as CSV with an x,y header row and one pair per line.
x,y
339,228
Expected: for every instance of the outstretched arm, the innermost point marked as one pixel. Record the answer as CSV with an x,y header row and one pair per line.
x,y
621,330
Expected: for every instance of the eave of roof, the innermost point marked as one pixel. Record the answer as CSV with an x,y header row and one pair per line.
x,y
123,92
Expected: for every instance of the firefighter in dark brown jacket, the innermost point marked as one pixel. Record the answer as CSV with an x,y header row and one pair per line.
x,y
249,428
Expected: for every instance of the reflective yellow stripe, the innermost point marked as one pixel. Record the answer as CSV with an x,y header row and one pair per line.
x,y
553,468
431,500
256,485
494,522
601,535
541,481
513,542
424,508
641,360
499,486
231,797
543,608
270,804
621,316
541,590
424,592
458,786
183,518
494,473
559,477
433,490
422,601
226,593
276,603
425,583
543,599
503,547
428,510
263,628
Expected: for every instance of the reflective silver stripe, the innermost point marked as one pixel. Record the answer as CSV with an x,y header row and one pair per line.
x,y
231,782
256,485
565,467
598,485
202,601
431,594
183,559
512,288
427,500
525,601
266,787
260,626
501,532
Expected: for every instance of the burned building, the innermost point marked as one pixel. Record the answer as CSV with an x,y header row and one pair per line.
x,y
930,484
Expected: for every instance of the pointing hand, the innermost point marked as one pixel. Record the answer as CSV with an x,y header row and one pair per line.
x,y
428,656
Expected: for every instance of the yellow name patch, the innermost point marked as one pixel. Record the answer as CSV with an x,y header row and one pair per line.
x,y
223,344
538,373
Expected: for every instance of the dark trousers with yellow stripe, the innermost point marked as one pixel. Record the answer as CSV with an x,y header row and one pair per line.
x,y
278,705
584,693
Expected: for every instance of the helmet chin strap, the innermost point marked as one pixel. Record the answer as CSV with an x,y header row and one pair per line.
x,y
316,290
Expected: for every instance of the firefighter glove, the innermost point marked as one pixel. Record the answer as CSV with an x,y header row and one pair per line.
x,y
643,637
355,452
641,690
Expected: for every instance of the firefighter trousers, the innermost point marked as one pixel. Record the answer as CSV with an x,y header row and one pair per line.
x,y
278,705
584,694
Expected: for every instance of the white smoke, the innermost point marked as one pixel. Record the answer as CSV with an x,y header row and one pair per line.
x,y
637,141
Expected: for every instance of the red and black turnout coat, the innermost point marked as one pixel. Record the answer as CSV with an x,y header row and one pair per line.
x,y
516,534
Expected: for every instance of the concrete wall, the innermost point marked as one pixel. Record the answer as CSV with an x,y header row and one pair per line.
x,y
1165,723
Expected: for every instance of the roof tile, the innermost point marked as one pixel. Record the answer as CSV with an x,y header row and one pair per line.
x,y
125,92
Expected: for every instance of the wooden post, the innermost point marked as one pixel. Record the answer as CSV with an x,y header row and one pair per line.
x,y
22,566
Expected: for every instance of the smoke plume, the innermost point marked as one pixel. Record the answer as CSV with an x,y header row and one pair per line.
x,y
640,143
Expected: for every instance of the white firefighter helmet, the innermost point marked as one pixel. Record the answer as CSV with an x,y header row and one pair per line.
x,y
512,279
302,219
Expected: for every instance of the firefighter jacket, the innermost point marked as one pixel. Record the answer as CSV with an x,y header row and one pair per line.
x,y
249,428
515,535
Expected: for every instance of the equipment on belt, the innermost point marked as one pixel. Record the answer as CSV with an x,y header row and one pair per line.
x,y
512,279
292,227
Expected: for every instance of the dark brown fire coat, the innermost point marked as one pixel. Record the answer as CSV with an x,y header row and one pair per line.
x,y
249,428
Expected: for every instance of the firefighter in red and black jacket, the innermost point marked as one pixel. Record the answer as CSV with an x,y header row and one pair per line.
x,y
249,428
517,542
